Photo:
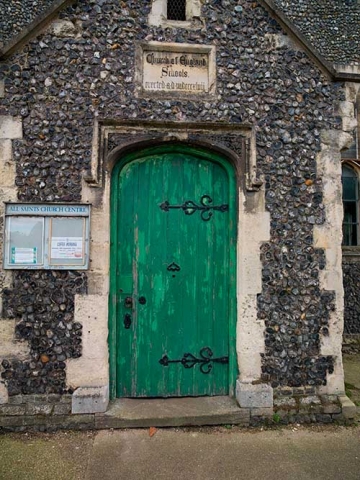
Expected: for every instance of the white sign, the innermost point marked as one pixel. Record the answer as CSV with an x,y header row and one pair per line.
x,y
64,248
45,210
171,67
24,255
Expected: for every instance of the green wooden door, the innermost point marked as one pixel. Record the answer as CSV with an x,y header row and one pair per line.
x,y
173,271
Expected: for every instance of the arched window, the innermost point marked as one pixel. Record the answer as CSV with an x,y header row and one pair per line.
x,y
351,206
350,181
176,10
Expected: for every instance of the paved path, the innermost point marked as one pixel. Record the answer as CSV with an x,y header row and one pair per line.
x,y
301,453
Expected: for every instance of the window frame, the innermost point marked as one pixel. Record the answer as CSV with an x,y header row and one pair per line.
x,y
184,5
347,165
47,214
354,164
158,15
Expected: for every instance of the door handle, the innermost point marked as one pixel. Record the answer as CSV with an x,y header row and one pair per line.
x,y
127,321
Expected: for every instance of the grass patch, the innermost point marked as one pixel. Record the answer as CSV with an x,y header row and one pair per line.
x,y
276,418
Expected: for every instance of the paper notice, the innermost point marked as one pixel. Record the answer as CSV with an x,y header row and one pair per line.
x,y
24,255
65,248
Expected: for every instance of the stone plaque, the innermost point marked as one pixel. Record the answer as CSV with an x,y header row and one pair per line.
x,y
174,67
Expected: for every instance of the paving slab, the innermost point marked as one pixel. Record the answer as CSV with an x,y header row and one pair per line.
x,y
172,412
332,454
59,456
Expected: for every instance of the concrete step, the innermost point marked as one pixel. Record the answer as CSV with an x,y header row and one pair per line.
x,y
172,412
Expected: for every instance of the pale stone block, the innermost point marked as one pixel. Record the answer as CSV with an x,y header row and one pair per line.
x,y
250,333
345,109
100,221
250,366
81,372
193,8
92,312
334,385
4,397
336,139
7,174
254,396
63,28
333,257
90,400
2,89
7,194
330,345
9,347
332,280
250,274
328,156
349,124
255,229
10,127
347,68
98,283
348,408
99,257
352,89
158,10
328,236
278,40
92,368
5,151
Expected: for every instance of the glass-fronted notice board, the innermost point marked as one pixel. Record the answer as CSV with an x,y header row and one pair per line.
x,y
46,236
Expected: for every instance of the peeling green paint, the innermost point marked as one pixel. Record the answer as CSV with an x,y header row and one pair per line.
x,y
185,310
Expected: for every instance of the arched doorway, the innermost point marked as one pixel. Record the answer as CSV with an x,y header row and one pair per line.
x,y
173,274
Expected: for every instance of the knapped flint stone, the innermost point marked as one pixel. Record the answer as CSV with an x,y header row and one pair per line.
x,y
351,276
332,27
30,289
280,91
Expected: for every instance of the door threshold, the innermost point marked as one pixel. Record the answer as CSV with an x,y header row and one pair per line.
x,y
172,412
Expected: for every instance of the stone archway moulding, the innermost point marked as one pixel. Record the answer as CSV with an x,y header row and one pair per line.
x,y
113,139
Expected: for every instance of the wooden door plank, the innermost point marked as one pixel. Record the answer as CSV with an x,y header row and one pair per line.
x,y
190,310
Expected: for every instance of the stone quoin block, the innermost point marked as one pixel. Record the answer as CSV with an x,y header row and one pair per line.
x,y
10,127
254,396
90,400
4,397
348,408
